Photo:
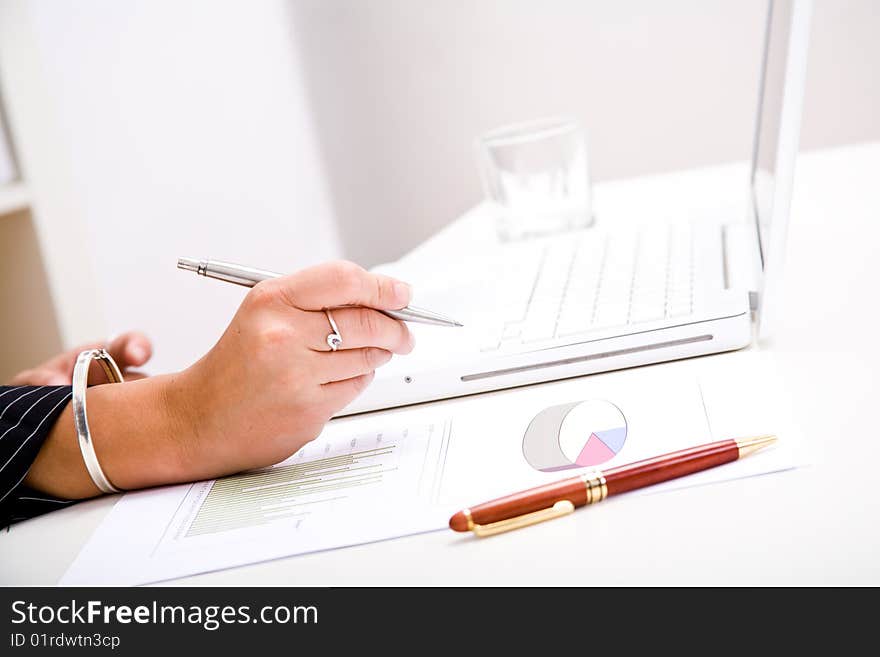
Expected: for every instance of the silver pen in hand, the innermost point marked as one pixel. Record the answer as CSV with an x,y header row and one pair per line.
x,y
249,276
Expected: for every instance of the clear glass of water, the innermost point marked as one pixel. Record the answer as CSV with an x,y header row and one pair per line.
x,y
536,174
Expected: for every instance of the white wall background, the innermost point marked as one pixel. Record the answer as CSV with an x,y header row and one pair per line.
x,y
401,88
283,133
182,129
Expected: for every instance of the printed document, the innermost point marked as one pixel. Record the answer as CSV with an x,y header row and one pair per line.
x,y
389,474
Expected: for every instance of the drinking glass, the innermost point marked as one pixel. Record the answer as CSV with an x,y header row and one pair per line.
x,y
536,175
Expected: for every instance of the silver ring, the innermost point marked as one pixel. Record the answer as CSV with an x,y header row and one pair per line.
x,y
334,339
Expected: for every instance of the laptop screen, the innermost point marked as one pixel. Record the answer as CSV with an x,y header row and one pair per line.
x,y
776,145
770,96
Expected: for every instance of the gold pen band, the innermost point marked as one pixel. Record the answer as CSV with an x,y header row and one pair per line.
x,y
597,489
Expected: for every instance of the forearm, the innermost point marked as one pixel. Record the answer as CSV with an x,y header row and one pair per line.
x,y
263,391
135,429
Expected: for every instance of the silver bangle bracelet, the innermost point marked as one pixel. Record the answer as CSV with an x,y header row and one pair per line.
x,y
80,419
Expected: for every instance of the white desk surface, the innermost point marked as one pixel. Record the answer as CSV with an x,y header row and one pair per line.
x,y
814,525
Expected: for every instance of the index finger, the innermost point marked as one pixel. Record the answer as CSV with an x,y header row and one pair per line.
x,y
342,283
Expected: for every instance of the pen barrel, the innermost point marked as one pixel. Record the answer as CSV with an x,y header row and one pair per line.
x,y
232,273
669,466
528,501
229,272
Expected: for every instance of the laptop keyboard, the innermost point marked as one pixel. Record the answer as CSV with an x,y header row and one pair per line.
x,y
584,284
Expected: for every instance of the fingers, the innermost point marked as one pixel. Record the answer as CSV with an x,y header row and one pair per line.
x,y
359,327
339,394
64,362
342,284
131,349
350,363
40,377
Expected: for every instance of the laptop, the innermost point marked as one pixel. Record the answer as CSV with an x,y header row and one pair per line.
x,y
604,299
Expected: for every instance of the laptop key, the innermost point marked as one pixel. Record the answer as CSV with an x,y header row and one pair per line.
x,y
512,330
539,330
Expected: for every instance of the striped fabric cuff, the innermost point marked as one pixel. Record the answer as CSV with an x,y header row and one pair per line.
x,y
27,414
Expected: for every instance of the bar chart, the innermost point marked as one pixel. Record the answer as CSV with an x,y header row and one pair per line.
x,y
291,490
323,479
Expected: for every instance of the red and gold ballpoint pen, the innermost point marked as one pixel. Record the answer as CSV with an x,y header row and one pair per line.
x,y
561,497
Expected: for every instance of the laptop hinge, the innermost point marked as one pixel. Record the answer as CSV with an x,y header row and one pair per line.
x,y
753,301
743,269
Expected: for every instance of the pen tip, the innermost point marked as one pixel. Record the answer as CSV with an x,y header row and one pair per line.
x,y
458,324
751,445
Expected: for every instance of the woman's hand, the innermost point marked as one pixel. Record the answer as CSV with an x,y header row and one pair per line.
x,y
129,350
264,390
271,382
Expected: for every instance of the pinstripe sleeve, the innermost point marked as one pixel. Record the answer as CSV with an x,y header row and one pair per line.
x,y
27,414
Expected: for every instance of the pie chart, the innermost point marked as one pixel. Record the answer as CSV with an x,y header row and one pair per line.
x,y
576,435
